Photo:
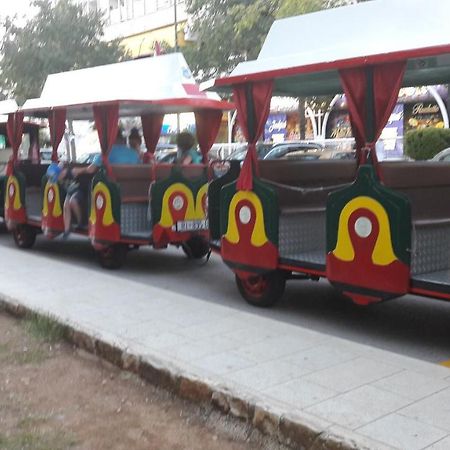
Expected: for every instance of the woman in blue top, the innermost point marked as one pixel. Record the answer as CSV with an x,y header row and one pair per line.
x,y
186,152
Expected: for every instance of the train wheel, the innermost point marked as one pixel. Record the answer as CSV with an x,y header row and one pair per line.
x,y
24,236
112,256
196,247
262,290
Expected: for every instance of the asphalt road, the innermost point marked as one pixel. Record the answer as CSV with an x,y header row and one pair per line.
x,y
412,326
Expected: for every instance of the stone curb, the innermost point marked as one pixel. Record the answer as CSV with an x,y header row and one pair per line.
x,y
294,431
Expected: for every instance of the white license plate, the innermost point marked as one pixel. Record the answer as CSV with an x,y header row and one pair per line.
x,y
192,225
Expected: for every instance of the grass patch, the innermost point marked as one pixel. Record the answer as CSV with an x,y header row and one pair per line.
x,y
31,422
4,348
44,328
30,356
36,441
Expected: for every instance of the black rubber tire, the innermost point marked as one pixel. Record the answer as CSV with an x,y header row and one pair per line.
x,y
113,257
196,247
262,290
24,236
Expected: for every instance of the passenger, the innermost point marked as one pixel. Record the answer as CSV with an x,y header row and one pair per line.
x,y
77,194
186,151
135,141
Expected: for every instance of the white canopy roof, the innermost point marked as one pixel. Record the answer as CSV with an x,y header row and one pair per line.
x,y
163,83
367,33
7,107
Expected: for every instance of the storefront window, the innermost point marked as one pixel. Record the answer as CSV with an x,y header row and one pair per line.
x,y
150,6
163,4
138,8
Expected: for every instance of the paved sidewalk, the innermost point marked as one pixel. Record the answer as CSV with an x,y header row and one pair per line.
x,y
310,389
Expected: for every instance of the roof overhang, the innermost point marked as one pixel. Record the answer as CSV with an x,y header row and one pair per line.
x,y
303,54
162,84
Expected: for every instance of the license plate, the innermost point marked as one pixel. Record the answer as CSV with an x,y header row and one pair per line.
x,y
192,225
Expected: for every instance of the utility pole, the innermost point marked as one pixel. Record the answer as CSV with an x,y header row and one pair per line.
x,y
175,24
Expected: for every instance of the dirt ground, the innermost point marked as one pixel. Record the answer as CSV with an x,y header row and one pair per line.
x,y
54,396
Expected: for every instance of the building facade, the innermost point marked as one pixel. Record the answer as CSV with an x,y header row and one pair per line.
x,y
140,24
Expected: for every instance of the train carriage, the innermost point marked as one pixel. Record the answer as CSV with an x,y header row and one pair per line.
x,y
128,205
375,230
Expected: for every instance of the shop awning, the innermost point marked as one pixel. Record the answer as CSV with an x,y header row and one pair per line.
x,y
162,84
303,54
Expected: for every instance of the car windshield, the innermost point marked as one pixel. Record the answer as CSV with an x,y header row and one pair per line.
x,y
295,151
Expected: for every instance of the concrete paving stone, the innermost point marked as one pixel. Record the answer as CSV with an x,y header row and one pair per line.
x,y
275,347
358,407
443,444
351,374
201,348
160,341
113,339
402,432
141,330
335,435
114,324
320,357
223,363
405,362
215,328
300,393
194,317
251,334
433,410
412,385
265,375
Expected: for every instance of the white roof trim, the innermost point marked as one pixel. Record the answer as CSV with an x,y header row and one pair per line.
x,y
367,29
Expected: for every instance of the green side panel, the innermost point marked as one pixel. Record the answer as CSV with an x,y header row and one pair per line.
x,y
114,189
214,189
269,201
159,188
396,205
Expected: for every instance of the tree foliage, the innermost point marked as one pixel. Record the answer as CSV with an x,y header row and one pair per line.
x,y
230,31
58,38
227,32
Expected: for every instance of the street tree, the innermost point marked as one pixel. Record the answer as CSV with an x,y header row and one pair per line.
x,y
230,31
58,38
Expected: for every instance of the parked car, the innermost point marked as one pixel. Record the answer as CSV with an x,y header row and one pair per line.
x,y
295,150
261,150
308,151
443,156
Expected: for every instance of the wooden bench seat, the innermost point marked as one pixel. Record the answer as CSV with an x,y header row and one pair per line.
x,y
302,188
427,186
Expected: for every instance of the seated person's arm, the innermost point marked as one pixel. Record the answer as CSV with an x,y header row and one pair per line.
x,y
91,169
186,160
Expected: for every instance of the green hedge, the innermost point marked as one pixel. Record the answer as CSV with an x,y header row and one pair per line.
x,y
425,143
